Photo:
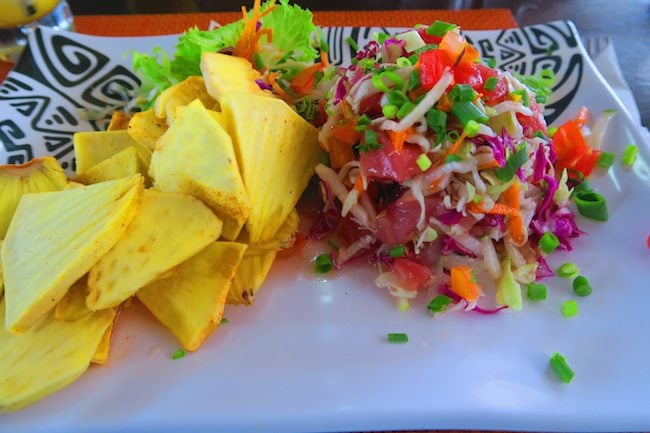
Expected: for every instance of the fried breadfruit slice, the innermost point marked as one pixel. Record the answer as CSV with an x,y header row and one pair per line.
x,y
168,229
190,303
257,263
91,148
146,128
119,120
48,357
2,283
104,347
179,95
73,305
56,237
196,156
224,74
277,151
38,175
123,164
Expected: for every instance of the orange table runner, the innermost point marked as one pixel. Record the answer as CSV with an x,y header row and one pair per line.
x,y
160,24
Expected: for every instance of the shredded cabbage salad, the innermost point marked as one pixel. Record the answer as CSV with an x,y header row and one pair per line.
x,y
443,175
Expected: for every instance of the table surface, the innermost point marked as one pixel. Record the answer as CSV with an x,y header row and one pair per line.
x,y
627,22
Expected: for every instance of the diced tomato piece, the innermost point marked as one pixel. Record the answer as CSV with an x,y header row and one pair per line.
x,y
476,74
387,164
413,275
428,39
469,74
398,222
534,123
432,65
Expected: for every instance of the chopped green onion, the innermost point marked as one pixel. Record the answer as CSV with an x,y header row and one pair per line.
x,y
439,28
491,83
466,111
414,80
405,109
324,263
397,251
452,136
403,304
403,62
536,292
423,162
371,141
367,64
439,304
582,187
394,78
436,120
363,123
452,158
591,205
430,234
413,58
567,270
491,62
561,368
397,97
629,155
548,242
379,83
224,321
352,43
523,94
178,354
462,93
606,160
540,134
581,286
398,338
471,129
514,163
551,131
389,111
381,37
570,308
427,47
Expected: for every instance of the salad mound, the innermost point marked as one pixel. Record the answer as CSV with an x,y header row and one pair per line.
x,y
442,172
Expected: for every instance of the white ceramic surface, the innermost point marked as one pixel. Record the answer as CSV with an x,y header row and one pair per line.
x,y
311,354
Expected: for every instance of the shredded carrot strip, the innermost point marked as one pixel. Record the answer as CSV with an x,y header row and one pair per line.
x,y
246,45
488,165
358,184
515,222
278,89
463,283
398,138
435,184
323,59
497,209
303,83
453,149
346,110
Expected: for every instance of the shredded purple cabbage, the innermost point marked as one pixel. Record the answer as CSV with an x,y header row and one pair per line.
x,y
553,185
445,289
543,269
488,311
450,246
540,164
450,217
262,85
493,220
369,51
341,89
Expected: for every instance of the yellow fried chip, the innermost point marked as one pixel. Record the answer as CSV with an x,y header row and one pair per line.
x,y
54,240
38,175
73,305
93,147
122,164
200,160
119,120
257,263
277,151
168,229
190,303
46,358
2,281
224,74
146,128
179,95
104,347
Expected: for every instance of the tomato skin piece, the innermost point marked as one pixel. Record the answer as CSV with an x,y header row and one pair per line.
x,y
427,38
432,65
413,275
573,152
